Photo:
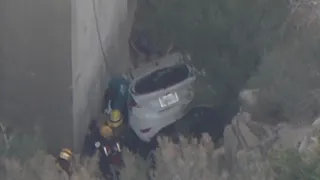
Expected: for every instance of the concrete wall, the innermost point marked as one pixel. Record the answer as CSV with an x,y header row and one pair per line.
x,y
51,65
90,69
35,66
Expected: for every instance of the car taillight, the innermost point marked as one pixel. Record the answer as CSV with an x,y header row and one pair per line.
x,y
145,130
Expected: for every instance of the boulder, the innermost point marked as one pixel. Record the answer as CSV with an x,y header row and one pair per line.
x,y
248,99
247,135
237,135
290,136
310,144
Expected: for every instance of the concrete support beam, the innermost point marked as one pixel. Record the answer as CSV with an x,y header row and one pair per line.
x,y
90,68
52,70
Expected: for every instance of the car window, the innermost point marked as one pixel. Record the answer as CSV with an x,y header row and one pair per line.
x,y
161,79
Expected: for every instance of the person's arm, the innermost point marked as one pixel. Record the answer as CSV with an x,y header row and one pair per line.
x,y
88,149
107,97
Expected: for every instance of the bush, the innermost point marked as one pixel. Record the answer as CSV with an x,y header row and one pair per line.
x,y
288,76
19,144
289,164
189,160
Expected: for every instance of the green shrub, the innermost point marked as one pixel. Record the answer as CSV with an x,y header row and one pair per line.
x,y
189,160
289,164
288,76
19,144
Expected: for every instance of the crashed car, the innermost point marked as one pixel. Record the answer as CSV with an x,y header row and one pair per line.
x,y
159,95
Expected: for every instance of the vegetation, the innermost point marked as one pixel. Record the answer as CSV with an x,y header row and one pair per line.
x,y
189,160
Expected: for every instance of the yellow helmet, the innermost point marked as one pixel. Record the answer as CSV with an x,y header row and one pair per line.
x,y
106,131
65,154
116,119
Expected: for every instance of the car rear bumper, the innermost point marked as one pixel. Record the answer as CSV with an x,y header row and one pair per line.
x,y
146,124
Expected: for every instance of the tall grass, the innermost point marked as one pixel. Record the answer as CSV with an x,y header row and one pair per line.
x,y
190,160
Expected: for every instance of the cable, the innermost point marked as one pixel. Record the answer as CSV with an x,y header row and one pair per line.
x,y
100,39
98,33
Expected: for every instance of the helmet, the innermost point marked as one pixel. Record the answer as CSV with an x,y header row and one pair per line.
x,y
65,154
116,119
106,131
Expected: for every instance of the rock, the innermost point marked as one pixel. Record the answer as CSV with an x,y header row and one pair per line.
x,y
248,98
249,139
310,143
316,123
238,136
290,136
246,135
231,147
243,133
309,148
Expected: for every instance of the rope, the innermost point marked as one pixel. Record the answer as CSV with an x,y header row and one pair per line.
x,y
99,34
100,39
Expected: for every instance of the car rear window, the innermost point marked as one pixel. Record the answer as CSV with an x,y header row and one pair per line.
x,y
161,79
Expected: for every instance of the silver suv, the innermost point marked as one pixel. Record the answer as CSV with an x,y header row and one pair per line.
x,y
158,97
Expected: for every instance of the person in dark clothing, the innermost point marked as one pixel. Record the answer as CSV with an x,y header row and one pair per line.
x,y
106,137
93,136
63,161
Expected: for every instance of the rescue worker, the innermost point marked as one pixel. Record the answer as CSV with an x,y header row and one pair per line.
x,y
93,135
63,161
116,97
105,131
107,158
116,122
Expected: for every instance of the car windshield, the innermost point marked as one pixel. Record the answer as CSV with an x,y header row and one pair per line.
x,y
161,79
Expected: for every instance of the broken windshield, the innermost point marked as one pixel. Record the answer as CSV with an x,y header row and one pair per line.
x,y
162,79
